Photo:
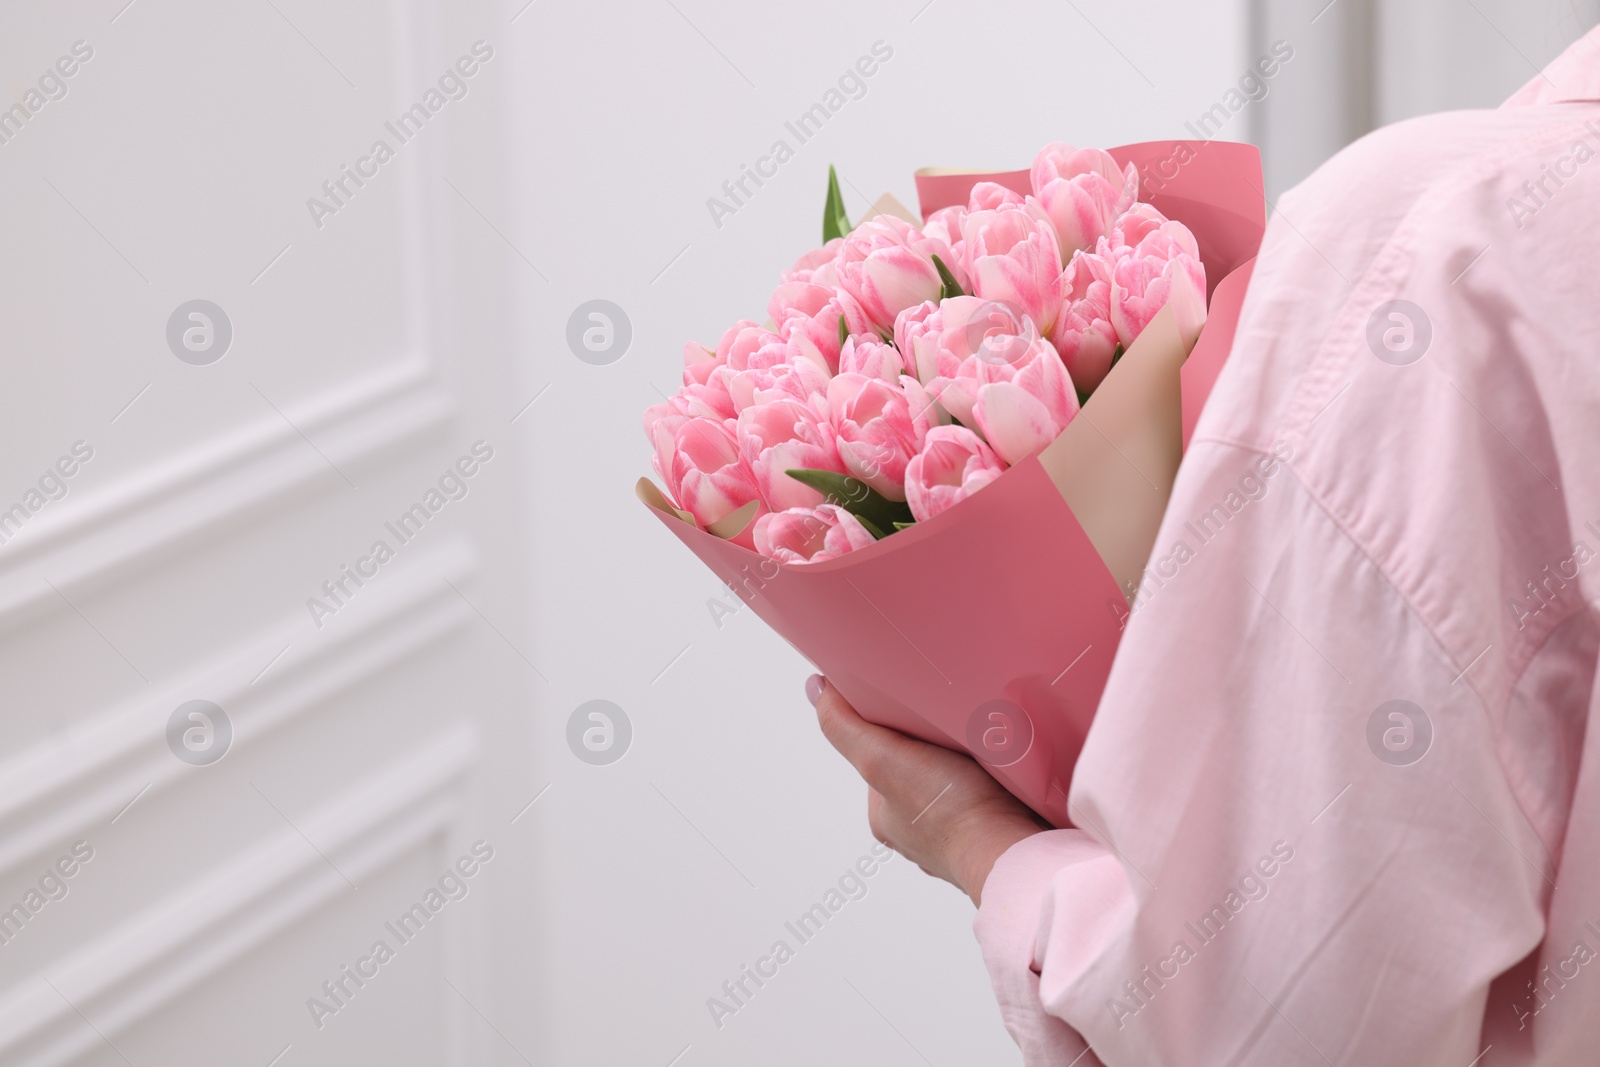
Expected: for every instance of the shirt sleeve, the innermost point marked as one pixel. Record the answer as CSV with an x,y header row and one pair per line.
x,y
1016,893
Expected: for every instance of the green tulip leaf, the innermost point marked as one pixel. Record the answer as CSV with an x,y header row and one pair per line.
x,y
876,511
871,529
947,279
835,223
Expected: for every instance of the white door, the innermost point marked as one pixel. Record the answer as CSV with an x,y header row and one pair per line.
x,y
265,674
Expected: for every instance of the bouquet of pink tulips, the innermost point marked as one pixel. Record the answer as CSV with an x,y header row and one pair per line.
x,y
904,439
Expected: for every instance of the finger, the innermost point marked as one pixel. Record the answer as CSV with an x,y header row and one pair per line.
x,y
866,745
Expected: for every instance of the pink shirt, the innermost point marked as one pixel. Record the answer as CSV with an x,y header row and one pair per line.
x,y
1276,865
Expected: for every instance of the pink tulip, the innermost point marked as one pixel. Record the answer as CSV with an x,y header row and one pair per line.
x,y
706,474
710,400
800,380
880,428
954,463
698,363
797,298
783,435
998,350
661,422
1134,225
987,196
921,403
1165,266
1083,333
934,339
729,336
746,345
816,337
945,225
875,359
918,329
816,266
886,265
1020,415
1011,256
1082,191
810,535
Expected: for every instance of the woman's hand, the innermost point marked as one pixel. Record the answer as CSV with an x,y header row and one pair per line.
x,y
938,808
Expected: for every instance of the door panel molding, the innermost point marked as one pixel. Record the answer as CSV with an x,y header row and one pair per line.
x,y
52,792
134,970
88,542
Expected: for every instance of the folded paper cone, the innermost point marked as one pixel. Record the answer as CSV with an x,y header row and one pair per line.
x,y
991,628
940,631
1115,463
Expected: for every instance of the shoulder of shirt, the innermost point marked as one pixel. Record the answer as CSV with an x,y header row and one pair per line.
x,y
1401,185
1416,154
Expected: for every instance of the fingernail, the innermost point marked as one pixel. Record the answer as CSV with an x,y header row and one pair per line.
x,y
814,686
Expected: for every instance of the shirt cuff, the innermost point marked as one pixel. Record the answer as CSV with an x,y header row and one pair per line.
x,y
1017,908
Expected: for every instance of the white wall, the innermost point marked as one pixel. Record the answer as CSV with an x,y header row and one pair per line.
x,y
1361,64
368,750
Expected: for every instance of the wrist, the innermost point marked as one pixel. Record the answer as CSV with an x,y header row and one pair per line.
x,y
986,842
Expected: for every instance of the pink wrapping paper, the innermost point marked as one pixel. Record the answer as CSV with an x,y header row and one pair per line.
x,y
991,628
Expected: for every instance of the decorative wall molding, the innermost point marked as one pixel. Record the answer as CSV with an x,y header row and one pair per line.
x,y
126,982
56,790
102,535
132,971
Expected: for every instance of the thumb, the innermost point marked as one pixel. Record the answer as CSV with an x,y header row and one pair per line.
x,y
866,745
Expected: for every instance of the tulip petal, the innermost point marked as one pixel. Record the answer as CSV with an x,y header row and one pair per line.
x,y
1015,423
